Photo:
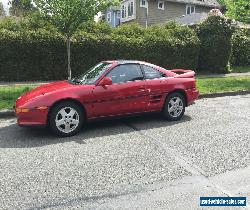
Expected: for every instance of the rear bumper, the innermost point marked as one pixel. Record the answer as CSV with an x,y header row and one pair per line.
x,y
32,118
192,95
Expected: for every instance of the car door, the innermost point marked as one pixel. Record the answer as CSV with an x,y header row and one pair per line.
x,y
127,94
156,83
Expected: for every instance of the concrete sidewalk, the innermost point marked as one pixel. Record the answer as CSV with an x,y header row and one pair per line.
x,y
35,83
247,74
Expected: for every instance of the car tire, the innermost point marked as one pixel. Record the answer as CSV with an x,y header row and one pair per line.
x,y
66,119
174,107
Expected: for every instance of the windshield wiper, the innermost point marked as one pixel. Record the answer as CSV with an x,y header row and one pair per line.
x,y
74,81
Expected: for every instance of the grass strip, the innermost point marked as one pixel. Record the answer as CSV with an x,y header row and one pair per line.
x,y
9,94
220,85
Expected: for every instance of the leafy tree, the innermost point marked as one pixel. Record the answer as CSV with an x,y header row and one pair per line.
x,y
215,37
238,10
68,15
2,12
99,28
20,7
222,2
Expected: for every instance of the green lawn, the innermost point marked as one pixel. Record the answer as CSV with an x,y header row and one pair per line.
x,y
8,95
219,85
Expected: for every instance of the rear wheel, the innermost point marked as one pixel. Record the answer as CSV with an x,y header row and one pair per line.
x,y
66,119
174,107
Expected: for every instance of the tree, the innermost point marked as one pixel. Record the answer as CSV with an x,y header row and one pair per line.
x,y
20,7
238,10
222,2
2,12
68,15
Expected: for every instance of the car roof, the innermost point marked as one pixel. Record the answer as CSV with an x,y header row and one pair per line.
x,y
127,62
119,62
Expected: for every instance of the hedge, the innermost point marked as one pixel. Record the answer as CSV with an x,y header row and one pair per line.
x,y
28,55
33,50
241,48
215,36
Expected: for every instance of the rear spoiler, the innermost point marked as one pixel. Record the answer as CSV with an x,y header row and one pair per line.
x,y
181,73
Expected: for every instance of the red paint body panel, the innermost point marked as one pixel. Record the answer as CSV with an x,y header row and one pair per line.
x,y
111,100
120,99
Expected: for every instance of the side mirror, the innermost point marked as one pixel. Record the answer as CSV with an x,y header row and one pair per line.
x,y
105,81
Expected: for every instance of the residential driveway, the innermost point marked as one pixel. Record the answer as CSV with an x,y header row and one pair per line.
x,y
132,163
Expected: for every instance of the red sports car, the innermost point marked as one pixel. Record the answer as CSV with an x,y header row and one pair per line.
x,y
110,88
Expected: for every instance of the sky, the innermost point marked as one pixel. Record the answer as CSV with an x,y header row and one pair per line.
x,y
5,4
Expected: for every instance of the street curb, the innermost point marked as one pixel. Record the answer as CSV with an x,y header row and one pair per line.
x,y
215,95
10,113
7,113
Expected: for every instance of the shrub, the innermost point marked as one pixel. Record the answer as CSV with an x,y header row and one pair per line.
x,y
32,55
31,22
41,55
166,52
99,28
215,36
130,30
240,48
11,24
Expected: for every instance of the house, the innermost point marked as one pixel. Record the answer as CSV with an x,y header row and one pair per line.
x,y
150,12
197,18
191,19
112,16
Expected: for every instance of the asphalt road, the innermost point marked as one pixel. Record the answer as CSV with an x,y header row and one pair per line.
x,y
133,163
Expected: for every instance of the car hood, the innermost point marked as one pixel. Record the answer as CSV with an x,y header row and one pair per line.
x,y
44,89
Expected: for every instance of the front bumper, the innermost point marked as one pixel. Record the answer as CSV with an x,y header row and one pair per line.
x,y
32,117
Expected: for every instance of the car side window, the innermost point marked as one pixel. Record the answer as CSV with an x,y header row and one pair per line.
x,y
151,73
125,73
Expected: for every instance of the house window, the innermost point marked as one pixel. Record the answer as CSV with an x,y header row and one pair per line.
x,y
118,15
161,5
143,3
190,9
130,9
123,11
109,17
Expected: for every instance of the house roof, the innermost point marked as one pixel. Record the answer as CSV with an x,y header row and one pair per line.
x,y
196,18
191,19
115,8
207,3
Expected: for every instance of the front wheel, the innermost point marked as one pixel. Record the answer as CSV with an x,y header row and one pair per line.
x,y
66,119
174,107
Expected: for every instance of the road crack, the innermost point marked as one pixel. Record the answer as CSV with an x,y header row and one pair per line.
x,y
181,160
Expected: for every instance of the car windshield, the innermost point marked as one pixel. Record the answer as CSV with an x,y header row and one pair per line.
x,y
92,75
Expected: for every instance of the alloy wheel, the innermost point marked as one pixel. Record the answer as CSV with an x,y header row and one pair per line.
x,y
67,120
175,107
